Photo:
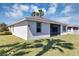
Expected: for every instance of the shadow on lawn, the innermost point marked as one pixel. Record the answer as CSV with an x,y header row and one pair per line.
x,y
21,53
55,44
51,44
13,48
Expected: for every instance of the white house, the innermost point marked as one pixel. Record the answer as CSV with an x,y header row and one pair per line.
x,y
36,27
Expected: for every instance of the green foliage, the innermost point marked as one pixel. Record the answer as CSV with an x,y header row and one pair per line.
x,y
39,13
2,52
33,14
3,27
5,33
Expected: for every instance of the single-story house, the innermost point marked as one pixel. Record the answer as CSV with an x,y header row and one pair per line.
x,y
37,27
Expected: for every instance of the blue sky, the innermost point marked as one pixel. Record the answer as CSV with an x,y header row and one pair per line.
x,y
62,12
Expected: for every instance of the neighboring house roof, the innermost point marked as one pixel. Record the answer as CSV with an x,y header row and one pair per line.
x,y
73,25
38,19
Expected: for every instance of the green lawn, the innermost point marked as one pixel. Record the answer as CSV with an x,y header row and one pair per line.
x,y
65,45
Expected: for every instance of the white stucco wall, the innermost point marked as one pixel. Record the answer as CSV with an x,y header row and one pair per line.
x,y
20,30
45,31
61,30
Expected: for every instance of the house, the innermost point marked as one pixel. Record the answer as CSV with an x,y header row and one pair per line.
x,y
36,27
73,29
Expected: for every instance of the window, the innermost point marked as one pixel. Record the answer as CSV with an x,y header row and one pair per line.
x,y
64,28
69,28
75,28
55,29
38,27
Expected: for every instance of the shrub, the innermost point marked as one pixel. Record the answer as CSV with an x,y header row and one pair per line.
x,y
3,27
5,33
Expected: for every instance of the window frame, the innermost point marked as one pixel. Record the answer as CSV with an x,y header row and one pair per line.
x,y
38,27
64,28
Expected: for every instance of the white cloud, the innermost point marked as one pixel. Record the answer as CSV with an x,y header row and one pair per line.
x,y
20,7
16,13
7,14
34,8
53,5
6,8
24,7
13,14
15,6
44,10
16,10
52,9
67,10
64,19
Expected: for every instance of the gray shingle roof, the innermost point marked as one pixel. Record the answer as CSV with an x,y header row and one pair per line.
x,y
38,19
73,25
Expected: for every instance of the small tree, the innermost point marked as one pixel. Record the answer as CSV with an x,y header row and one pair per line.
x,y
39,13
3,27
33,14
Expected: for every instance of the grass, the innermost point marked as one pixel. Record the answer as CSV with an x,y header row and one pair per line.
x,y
65,45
